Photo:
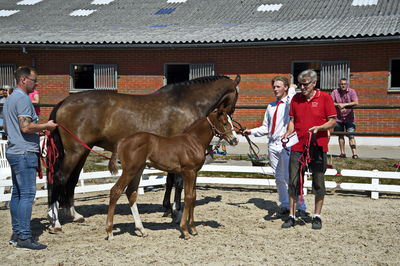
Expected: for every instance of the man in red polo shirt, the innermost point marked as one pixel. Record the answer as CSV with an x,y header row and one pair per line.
x,y
311,111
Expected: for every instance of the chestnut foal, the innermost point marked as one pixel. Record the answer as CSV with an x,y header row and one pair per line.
x,y
183,154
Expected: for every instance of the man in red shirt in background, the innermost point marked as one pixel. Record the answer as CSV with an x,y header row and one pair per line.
x,y
311,111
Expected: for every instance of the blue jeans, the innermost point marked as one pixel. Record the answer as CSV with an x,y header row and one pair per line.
x,y
346,127
23,169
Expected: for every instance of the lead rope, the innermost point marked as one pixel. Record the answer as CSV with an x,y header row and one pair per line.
x,y
52,153
304,160
81,142
253,153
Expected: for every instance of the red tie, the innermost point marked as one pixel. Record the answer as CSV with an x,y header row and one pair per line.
x,y
274,117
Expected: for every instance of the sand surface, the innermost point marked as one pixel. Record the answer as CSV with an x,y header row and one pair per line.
x,y
236,227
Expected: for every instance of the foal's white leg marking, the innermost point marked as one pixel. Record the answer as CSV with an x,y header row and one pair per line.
x,y
52,215
136,219
74,215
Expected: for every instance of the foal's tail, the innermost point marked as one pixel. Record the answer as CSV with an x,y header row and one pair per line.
x,y
112,164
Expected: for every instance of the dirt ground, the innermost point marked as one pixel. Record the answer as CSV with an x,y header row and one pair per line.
x,y
236,227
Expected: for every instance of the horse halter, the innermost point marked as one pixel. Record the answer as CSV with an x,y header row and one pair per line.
x,y
216,132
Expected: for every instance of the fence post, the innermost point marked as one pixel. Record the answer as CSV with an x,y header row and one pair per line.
x,y
375,184
82,181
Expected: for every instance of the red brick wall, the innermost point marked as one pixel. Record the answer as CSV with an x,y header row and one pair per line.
x,y
141,71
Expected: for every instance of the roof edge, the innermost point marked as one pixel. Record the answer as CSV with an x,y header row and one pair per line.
x,y
205,45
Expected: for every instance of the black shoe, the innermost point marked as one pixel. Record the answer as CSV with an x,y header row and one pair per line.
x,y
30,243
13,239
316,223
290,222
302,214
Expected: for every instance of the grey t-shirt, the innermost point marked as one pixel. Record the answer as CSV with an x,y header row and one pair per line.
x,y
18,105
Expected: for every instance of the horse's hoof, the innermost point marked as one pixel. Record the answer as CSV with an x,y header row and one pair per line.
x,y
54,230
79,220
194,233
110,237
185,236
142,233
167,213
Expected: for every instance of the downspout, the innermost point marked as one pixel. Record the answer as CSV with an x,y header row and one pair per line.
x,y
33,58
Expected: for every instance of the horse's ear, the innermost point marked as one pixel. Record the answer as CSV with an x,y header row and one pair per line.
x,y
221,109
237,80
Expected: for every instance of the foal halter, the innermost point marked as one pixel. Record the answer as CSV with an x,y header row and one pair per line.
x,y
216,132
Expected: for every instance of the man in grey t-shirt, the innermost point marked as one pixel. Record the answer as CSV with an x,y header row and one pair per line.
x,y
22,128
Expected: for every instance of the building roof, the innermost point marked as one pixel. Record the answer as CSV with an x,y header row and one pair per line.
x,y
177,22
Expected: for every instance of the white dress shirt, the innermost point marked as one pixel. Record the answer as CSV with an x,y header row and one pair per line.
x,y
282,120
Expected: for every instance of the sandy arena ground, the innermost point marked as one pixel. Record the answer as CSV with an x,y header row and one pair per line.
x,y
236,227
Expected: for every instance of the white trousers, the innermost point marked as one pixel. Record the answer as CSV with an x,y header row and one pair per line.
x,y
279,161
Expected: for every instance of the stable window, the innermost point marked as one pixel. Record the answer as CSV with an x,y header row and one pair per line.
x,y
7,75
93,76
394,78
329,72
177,72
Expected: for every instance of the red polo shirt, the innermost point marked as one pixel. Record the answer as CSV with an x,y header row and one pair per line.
x,y
309,113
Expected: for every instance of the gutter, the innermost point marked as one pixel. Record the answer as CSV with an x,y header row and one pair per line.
x,y
301,42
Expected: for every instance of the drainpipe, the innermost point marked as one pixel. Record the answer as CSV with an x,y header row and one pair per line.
x,y
33,58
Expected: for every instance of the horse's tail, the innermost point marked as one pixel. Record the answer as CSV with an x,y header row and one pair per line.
x,y
112,164
56,193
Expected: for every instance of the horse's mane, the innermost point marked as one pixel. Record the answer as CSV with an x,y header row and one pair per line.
x,y
187,84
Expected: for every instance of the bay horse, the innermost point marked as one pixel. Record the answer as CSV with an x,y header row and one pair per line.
x,y
102,118
182,154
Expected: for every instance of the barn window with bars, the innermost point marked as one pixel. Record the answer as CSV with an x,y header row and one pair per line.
x,y
7,75
179,72
329,72
93,76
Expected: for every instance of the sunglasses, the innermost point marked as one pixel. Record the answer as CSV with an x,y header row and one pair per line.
x,y
304,84
34,80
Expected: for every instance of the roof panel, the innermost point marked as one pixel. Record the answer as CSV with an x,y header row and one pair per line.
x,y
133,22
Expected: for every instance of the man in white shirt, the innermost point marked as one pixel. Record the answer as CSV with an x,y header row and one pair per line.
x,y
275,123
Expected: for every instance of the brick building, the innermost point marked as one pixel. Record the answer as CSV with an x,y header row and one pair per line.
x,y
139,47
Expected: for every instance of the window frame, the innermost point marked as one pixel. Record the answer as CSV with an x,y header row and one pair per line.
x,y
390,88
14,67
321,64
71,76
191,68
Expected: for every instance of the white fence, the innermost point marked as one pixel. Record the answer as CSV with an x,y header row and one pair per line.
x,y
84,188
374,187
151,178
